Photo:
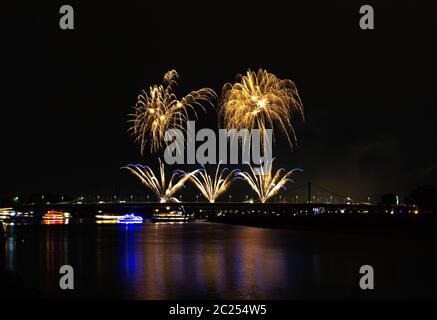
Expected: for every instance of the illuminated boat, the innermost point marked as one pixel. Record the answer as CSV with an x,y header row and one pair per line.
x,y
107,218
55,215
130,218
7,213
24,216
172,216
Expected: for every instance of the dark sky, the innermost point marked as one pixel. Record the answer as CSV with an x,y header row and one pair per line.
x,y
369,96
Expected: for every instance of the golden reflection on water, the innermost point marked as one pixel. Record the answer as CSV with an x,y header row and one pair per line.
x,y
55,221
209,266
107,221
152,261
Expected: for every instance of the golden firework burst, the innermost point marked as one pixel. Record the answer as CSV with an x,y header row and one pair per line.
x,y
212,187
265,184
163,191
259,101
158,110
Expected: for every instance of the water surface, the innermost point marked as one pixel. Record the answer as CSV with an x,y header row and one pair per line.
x,y
208,260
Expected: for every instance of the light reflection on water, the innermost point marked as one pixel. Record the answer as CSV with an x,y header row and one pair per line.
x,y
207,260
55,221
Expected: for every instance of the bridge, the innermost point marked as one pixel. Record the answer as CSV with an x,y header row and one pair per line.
x,y
312,206
217,208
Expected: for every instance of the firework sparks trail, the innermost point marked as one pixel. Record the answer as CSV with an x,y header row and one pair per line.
x,y
212,187
260,101
265,184
158,110
163,191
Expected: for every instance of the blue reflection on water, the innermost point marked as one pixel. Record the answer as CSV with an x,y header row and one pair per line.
x,y
127,250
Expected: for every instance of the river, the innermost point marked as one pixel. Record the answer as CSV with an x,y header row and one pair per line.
x,y
202,260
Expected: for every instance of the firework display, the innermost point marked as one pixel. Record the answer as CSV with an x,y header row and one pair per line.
x,y
212,187
257,100
264,183
164,191
260,100
158,110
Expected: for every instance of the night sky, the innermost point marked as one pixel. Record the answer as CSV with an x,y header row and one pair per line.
x,y
369,96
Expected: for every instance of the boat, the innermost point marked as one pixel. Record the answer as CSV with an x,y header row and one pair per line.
x,y
7,213
108,218
130,218
56,215
172,216
25,215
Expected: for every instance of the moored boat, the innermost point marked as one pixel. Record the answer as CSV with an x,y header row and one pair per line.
x,y
130,218
56,215
107,218
172,216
